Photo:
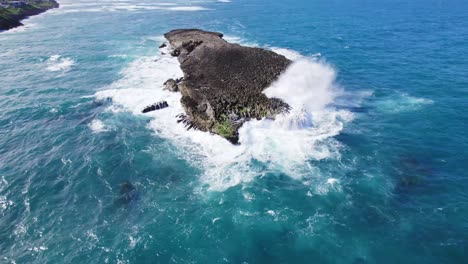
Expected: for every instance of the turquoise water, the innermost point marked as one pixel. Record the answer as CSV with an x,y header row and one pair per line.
x,y
376,175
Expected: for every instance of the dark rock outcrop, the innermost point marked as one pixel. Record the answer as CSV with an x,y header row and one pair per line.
x,y
171,85
156,106
223,82
12,12
175,53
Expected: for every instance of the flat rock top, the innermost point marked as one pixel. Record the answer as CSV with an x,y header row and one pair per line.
x,y
179,36
227,70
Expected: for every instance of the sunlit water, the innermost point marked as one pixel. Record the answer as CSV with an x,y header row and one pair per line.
x,y
368,167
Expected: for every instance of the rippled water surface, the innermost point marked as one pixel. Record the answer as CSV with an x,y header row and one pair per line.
x,y
370,166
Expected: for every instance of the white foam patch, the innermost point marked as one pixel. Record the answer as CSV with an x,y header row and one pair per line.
x,y
402,102
57,63
243,42
224,1
294,86
332,181
285,144
331,185
127,6
97,126
141,85
290,54
26,27
119,56
187,8
37,249
4,202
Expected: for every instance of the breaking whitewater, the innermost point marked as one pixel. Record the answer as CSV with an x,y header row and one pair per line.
x,y
286,145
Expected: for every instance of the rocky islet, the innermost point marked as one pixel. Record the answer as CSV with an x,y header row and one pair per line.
x,y
223,82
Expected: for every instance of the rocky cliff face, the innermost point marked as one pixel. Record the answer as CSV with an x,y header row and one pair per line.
x,y
223,82
12,12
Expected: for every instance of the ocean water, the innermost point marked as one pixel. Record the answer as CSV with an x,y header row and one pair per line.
x,y
370,166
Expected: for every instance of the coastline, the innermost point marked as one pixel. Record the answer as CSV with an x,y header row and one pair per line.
x,y
13,12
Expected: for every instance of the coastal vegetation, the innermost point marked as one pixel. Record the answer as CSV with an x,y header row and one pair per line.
x,y
12,12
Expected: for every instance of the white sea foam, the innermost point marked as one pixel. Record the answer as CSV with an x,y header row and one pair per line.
x,y
37,249
120,56
127,6
187,8
290,54
26,27
91,235
332,181
307,85
285,144
401,102
59,63
5,203
3,183
142,84
97,126
241,41
133,242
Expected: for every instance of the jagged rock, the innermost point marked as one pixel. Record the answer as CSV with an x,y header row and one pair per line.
x,y
190,45
171,85
223,82
175,53
156,106
163,45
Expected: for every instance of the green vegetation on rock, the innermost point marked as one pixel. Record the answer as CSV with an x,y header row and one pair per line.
x,y
226,129
12,12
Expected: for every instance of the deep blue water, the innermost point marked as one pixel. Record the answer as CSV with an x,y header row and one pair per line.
x,y
379,177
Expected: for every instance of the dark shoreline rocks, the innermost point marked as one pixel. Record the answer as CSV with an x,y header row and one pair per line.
x,y
154,107
171,85
12,12
223,82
